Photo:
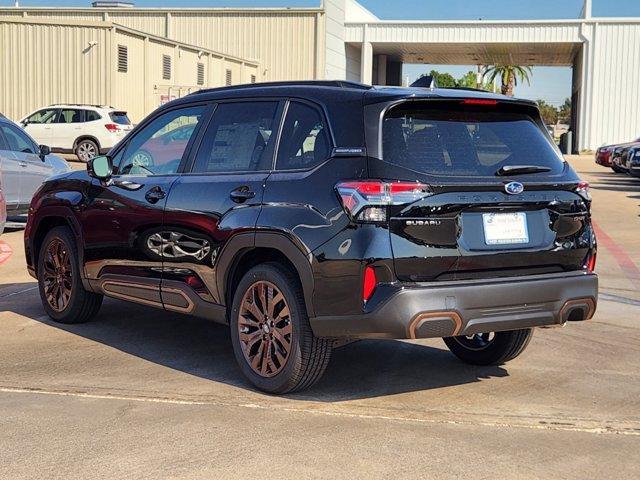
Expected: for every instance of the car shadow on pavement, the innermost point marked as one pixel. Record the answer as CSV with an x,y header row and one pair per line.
x,y
616,182
363,369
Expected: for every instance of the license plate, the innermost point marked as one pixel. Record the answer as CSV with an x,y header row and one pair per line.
x,y
505,228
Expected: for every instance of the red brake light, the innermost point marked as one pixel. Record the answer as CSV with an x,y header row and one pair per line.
x,y
369,283
112,127
591,262
367,200
479,101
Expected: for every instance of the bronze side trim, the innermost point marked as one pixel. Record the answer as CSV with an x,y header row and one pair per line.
x,y
455,316
144,301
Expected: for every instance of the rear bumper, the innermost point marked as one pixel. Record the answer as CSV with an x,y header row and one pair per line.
x,y
465,308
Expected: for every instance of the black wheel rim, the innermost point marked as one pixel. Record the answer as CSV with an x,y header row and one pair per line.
x,y
57,275
478,341
265,329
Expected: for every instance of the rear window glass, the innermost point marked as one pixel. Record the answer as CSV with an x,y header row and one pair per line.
x,y
464,142
120,118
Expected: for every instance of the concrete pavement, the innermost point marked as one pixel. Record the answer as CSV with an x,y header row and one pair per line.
x,y
145,394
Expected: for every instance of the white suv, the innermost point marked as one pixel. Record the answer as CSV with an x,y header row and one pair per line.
x,y
86,130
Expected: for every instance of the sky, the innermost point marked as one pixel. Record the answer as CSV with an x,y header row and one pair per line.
x,y
553,84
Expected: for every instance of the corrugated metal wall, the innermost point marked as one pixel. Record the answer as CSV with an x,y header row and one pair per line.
x,y
288,43
615,103
45,64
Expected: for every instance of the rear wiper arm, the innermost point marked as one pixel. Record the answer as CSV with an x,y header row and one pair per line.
x,y
507,170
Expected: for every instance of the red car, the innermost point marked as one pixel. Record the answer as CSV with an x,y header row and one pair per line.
x,y
603,154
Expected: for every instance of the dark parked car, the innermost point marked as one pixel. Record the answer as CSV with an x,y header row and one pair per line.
x,y
618,154
632,161
302,214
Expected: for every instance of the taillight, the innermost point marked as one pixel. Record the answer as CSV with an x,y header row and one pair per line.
x,y
112,127
367,201
583,190
590,263
369,283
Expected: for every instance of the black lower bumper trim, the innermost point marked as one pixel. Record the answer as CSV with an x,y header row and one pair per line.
x,y
466,308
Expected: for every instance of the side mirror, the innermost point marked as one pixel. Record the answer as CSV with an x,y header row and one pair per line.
x,y
44,151
100,167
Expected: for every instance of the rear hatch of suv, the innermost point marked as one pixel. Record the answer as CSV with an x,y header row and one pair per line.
x,y
484,193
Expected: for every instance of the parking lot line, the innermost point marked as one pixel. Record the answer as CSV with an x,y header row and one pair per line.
x,y
627,265
5,252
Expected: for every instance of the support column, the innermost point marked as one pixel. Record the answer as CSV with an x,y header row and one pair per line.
x,y
366,63
382,70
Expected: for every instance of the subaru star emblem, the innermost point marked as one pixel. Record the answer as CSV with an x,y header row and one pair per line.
x,y
514,188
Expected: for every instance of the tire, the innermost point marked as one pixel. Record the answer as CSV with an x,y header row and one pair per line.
x,y
86,150
616,169
307,357
483,350
81,305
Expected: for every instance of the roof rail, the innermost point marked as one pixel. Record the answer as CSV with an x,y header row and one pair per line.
x,y
290,83
81,105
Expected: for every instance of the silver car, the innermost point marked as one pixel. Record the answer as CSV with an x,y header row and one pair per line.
x,y
24,165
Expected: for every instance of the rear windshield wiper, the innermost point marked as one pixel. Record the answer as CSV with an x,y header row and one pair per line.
x,y
520,170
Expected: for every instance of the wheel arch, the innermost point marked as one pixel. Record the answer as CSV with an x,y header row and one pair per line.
x,y
48,218
86,137
247,250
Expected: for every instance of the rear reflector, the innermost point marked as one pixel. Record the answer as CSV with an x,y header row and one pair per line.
x,y
369,283
479,101
590,264
366,201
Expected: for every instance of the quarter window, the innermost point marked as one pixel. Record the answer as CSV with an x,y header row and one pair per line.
x,y
91,116
158,148
305,141
239,138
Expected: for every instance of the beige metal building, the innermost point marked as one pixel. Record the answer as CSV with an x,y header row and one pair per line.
x,y
339,40
52,60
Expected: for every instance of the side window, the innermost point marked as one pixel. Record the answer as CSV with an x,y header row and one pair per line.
x,y
305,140
47,115
17,141
158,148
3,143
71,116
238,138
91,116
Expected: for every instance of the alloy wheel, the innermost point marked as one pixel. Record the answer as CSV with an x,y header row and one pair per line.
x,y
57,276
478,341
265,328
86,151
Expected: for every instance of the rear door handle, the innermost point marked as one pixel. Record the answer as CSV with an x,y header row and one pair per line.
x,y
242,194
154,195
23,164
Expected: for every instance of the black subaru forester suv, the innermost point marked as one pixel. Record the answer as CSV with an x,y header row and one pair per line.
x,y
306,214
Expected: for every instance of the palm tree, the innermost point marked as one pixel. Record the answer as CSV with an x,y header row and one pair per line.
x,y
509,74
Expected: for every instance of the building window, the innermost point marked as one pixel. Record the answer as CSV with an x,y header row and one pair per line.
x,y
227,80
253,79
123,58
166,67
200,73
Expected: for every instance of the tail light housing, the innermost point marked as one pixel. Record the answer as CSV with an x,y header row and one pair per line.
x,y
590,262
367,201
112,127
369,282
583,190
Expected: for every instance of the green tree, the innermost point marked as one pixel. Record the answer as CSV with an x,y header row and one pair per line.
x,y
470,80
548,112
509,75
564,115
443,80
